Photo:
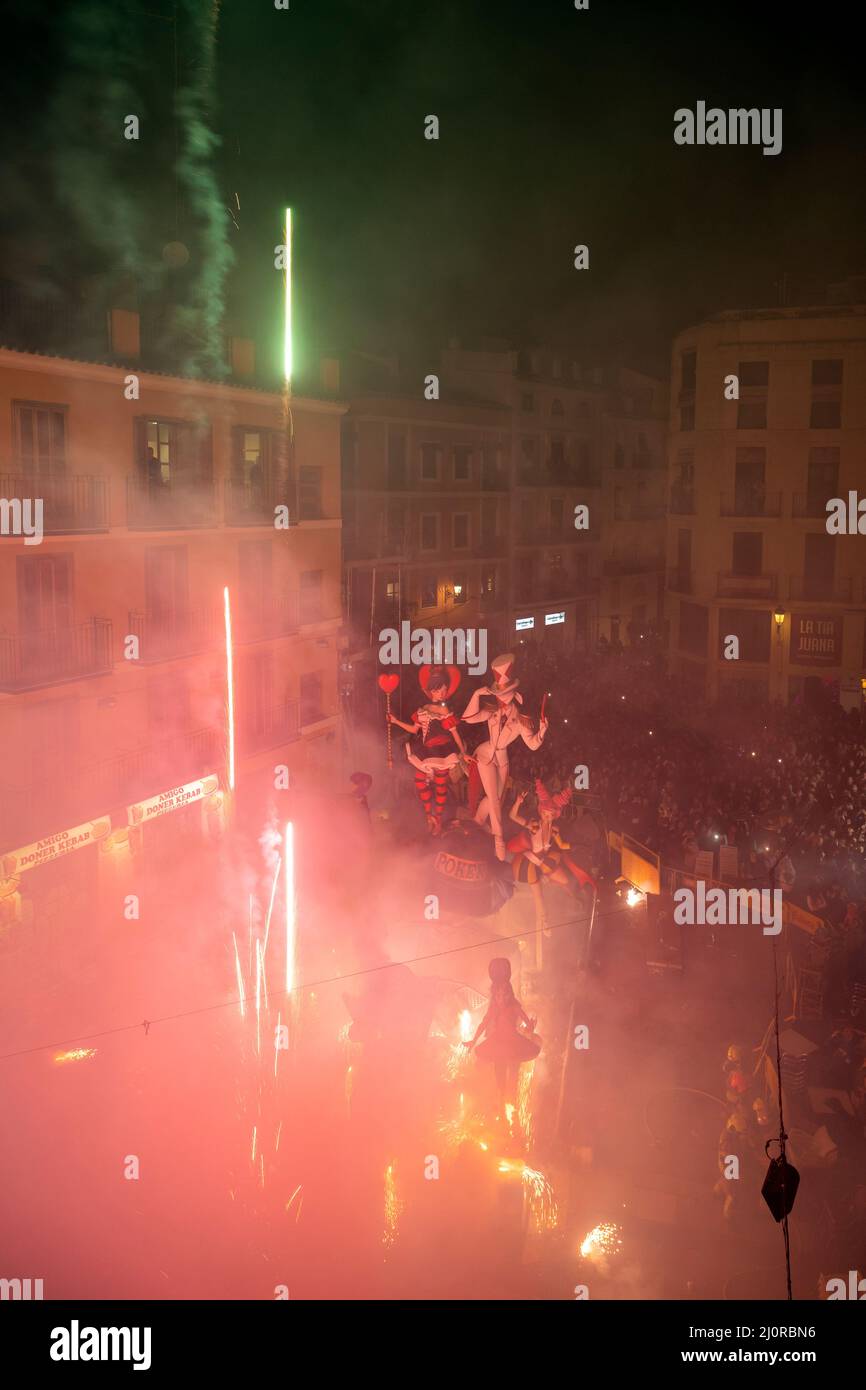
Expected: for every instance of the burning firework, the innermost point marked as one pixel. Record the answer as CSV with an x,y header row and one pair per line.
x,y
291,911
230,691
393,1208
602,1241
538,1193
78,1054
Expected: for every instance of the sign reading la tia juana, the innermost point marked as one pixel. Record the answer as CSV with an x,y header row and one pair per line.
x,y
172,800
54,846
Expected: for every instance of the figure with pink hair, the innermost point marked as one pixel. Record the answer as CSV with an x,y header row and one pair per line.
x,y
540,849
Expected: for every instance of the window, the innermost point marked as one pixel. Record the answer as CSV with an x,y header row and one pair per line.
x,y
395,532
619,457
752,626
311,698
527,401
688,370
557,451
694,629
458,589
429,463
819,566
556,407
747,552
488,584
583,410
309,493
396,458
429,591
44,593
687,416
752,415
827,372
173,451
460,523
754,373
311,596
619,504
825,415
462,455
255,576
822,479
40,438
430,531
166,586
392,591
556,515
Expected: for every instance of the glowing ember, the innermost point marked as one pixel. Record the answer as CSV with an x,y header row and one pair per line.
x,y
393,1207
633,897
466,1026
524,1088
601,1241
271,903
241,993
538,1192
78,1054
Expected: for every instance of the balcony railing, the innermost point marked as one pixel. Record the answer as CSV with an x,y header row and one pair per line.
x,y
165,636
74,502
48,655
80,791
175,505
253,503
680,581
819,588
730,585
682,500
269,727
492,546
747,501
809,504
274,616
494,481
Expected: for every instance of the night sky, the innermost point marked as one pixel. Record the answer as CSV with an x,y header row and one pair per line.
x,y
556,128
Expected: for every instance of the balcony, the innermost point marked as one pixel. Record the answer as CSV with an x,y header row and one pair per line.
x,y
810,504
75,503
50,655
492,547
646,511
750,501
269,727
730,585
276,615
639,564
253,504
171,506
681,581
820,589
494,480
164,637
682,500
80,791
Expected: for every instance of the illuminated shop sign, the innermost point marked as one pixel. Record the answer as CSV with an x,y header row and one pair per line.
x,y
816,640
54,846
523,623
551,618
171,800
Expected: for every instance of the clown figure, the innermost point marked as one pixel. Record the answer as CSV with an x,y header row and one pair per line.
x,y
498,705
431,749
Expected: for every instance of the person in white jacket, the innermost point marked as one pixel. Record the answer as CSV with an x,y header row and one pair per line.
x,y
498,705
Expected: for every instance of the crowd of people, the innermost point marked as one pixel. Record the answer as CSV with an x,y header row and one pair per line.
x,y
679,775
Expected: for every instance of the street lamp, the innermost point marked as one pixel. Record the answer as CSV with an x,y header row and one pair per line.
x,y
779,620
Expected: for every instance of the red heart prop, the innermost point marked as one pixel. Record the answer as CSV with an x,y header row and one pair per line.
x,y
388,683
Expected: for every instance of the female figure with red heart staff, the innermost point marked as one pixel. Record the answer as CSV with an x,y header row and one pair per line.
x,y
434,730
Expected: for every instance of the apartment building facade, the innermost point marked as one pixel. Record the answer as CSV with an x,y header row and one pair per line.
x,y
768,425
160,496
